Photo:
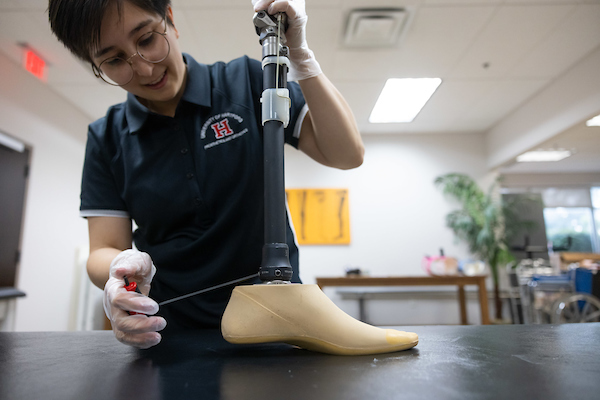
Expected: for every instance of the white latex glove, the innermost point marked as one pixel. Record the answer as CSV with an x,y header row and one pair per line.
x,y
135,330
302,59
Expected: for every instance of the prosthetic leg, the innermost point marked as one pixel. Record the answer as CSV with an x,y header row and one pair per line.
x,y
277,310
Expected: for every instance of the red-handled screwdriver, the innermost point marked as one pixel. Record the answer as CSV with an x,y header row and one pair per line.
x,y
131,287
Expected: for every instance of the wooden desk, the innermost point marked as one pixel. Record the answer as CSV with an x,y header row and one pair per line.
x,y
459,281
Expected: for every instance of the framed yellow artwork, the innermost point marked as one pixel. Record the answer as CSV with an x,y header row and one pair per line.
x,y
320,216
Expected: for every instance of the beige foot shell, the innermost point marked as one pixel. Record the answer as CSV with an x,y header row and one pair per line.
x,y
304,316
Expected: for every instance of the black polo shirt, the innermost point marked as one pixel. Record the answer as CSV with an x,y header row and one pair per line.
x,y
193,184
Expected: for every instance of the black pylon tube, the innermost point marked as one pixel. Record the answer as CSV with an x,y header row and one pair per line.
x,y
275,226
275,263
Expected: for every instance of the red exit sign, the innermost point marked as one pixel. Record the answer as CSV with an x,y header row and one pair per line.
x,y
35,64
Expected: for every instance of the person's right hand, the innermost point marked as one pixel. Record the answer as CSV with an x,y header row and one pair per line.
x,y
135,330
303,62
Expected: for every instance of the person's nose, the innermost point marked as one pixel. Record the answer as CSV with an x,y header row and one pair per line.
x,y
141,66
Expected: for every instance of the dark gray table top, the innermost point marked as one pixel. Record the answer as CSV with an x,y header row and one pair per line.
x,y
450,362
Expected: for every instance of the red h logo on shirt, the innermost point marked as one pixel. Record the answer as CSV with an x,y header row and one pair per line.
x,y
221,128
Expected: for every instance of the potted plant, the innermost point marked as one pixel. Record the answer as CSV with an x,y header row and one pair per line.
x,y
486,222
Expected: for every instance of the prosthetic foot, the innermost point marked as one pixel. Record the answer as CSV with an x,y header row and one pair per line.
x,y
304,316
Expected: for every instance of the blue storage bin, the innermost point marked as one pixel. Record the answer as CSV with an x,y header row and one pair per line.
x,y
583,280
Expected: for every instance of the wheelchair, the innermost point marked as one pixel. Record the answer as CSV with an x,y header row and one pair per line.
x,y
540,295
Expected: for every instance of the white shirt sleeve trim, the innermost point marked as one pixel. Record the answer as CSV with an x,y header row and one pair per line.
x,y
104,213
298,126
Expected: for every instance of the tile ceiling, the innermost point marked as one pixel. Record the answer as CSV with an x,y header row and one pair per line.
x,y
493,56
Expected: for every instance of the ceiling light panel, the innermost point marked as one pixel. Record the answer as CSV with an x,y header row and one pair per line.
x,y
544,155
594,121
402,99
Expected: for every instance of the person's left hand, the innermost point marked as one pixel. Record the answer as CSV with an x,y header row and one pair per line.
x,y
304,64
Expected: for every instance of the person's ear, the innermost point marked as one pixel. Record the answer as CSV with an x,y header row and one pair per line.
x,y
172,20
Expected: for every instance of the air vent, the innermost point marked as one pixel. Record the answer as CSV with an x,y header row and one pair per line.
x,y
374,27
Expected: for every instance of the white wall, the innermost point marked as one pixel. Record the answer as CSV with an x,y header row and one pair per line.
x,y
53,230
397,215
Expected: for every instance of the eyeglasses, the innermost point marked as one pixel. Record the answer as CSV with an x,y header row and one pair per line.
x,y
152,47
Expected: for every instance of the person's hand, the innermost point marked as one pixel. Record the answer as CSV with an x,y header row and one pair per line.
x,y
302,59
135,330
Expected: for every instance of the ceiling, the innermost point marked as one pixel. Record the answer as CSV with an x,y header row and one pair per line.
x,y
493,57
583,140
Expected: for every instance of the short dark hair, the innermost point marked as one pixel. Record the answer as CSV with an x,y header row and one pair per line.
x,y
76,23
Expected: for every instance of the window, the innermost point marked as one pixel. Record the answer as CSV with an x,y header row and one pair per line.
x,y
572,218
596,208
575,223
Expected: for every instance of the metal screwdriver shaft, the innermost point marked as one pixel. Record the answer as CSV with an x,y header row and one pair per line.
x,y
185,296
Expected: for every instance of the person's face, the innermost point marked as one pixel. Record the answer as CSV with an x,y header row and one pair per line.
x,y
160,82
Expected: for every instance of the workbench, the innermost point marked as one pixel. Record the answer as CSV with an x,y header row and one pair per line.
x,y
450,362
460,281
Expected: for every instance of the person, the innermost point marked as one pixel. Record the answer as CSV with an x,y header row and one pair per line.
x,y
182,158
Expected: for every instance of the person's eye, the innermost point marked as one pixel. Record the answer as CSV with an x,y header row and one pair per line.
x,y
113,62
146,40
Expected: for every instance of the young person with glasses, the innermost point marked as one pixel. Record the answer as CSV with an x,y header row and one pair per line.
x,y
182,157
